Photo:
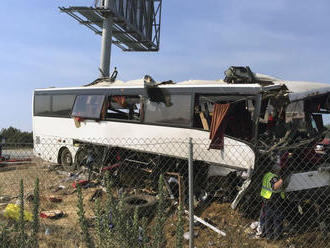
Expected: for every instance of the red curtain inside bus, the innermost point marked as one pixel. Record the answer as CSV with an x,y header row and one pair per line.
x,y
218,125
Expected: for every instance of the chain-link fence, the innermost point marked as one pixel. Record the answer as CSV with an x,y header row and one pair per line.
x,y
240,195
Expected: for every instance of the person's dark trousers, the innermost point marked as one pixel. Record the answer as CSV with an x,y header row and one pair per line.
x,y
273,222
278,222
262,219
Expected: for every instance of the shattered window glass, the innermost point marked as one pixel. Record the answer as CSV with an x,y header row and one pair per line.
x,y
88,106
295,110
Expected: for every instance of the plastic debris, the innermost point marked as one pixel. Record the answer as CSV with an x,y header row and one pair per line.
x,y
54,198
58,188
254,225
80,183
186,235
5,198
52,214
111,167
12,212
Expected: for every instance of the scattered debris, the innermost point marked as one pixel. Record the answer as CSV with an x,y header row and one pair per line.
x,y
144,203
97,194
47,231
29,197
54,198
80,183
58,188
52,214
207,224
5,198
111,167
71,176
186,235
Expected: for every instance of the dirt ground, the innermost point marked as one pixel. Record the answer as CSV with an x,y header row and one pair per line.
x,y
65,231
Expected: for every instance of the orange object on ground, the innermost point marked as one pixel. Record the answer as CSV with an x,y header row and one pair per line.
x,y
80,182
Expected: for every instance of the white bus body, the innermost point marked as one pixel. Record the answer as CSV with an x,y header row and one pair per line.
x,y
167,115
60,133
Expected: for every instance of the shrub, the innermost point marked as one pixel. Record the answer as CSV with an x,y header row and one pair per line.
x,y
82,220
158,233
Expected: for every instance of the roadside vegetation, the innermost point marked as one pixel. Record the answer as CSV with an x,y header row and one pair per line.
x,y
112,225
14,135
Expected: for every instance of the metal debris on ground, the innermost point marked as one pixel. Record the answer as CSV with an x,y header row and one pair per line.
x,y
207,224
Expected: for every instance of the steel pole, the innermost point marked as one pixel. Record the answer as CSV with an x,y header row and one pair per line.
x,y
106,43
191,195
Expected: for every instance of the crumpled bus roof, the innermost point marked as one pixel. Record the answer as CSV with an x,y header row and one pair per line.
x,y
296,90
299,89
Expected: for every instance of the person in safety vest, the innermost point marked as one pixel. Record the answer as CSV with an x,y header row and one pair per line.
x,y
273,203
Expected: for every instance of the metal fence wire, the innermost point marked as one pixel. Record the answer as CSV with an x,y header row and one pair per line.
x,y
240,195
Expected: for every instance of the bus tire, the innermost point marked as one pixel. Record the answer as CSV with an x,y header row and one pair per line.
x,y
66,158
144,203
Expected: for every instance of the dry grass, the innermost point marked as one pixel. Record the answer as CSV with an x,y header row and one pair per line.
x,y
65,232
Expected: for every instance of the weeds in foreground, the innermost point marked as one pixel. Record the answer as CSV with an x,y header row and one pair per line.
x,y
115,227
21,221
158,232
15,233
35,223
179,228
4,239
82,220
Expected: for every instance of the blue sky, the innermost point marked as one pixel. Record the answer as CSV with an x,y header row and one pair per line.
x,y
41,47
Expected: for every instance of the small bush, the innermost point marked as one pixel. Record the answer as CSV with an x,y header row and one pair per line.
x,y
35,224
82,220
179,227
21,221
158,233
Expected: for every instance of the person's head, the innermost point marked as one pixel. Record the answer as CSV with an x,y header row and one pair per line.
x,y
281,162
276,168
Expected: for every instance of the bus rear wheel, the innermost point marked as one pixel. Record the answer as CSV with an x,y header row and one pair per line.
x,y
66,158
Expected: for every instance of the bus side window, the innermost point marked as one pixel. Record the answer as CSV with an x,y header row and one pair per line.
x,y
88,106
123,107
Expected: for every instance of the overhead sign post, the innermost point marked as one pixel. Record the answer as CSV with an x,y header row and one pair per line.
x,y
132,25
106,43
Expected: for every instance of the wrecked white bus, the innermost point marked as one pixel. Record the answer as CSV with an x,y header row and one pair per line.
x,y
236,119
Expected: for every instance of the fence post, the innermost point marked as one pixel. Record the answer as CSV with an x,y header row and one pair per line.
x,y
191,195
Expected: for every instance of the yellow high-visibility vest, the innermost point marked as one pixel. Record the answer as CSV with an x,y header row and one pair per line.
x,y
266,189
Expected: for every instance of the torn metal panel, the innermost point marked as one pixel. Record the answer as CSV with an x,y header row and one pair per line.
x,y
308,180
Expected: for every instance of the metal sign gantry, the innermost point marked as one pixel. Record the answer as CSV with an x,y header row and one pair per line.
x,y
132,25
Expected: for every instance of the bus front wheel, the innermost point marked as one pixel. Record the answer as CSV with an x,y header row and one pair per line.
x,y
66,158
